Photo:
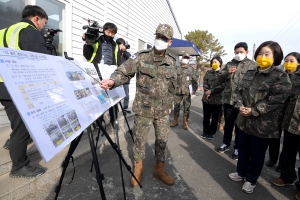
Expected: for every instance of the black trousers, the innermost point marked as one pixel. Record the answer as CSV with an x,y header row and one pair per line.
x,y
213,111
230,115
112,115
18,138
251,156
274,147
290,148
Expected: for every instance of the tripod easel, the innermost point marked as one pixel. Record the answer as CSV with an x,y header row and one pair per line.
x,y
99,176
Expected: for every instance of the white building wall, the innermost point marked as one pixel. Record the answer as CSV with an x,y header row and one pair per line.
x,y
136,20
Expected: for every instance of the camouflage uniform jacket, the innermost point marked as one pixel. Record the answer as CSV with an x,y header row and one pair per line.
x,y
185,77
155,82
233,79
264,91
212,82
291,119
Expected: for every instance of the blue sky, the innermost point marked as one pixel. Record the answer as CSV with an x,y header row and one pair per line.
x,y
234,21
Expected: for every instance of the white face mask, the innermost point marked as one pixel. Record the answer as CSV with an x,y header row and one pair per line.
x,y
160,44
185,61
239,57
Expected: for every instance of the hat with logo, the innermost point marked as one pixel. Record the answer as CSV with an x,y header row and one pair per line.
x,y
165,30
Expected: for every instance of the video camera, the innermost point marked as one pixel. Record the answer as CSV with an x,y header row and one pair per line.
x,y
92,34
50,33
127,45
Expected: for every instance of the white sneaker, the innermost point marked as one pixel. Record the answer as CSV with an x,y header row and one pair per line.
x,y
248,188
235,176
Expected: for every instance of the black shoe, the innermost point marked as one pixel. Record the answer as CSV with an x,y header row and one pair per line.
x,y
203,136
127,111
270,163
234,156
223,148
27,171
278,168
210,137
6,145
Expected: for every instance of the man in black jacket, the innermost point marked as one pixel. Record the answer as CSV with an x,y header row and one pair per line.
x,y
107,49
30,39
124,56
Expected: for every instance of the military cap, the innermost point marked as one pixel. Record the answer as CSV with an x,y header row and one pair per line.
x,y
165,30
186,55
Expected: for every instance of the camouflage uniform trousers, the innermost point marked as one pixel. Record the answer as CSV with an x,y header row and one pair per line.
x,y
142,127
186,105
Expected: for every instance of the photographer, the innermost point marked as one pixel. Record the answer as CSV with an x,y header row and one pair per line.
x,y
27,32
105,47
124,56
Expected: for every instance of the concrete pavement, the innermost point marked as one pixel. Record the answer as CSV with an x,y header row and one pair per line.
x,y
199,171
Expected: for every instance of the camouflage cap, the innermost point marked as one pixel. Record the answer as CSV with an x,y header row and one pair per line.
x,y
165,30
186,55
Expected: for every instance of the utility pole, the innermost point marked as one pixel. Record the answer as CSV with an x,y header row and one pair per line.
x,y
253,52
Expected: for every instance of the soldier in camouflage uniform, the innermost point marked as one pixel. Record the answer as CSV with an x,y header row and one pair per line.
x,y
212,98
155,90
260,97
232,73
291,126
186,75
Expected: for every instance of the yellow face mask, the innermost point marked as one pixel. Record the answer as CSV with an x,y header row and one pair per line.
x,y
290,66
215,66
264,62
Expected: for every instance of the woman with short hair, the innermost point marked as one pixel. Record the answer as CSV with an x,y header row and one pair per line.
x,y
260,97
212,98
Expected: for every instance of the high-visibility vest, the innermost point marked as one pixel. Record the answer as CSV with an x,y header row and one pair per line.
x,y
9,37
96,46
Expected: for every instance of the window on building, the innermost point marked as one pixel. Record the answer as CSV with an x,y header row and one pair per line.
x,y
141,45
149,46
10,12
55,11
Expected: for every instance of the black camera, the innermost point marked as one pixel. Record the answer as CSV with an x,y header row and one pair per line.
x,y
127,45
50,33
92,34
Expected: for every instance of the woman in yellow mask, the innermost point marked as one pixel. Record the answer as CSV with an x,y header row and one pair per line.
x,y
212,98
291,62
291,125
259,97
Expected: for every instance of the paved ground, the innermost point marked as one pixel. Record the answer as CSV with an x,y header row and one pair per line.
x,y
199,171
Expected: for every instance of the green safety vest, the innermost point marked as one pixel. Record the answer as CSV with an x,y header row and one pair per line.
x,y
10,36
96,46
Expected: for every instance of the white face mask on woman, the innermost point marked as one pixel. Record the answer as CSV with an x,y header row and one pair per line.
x,y
185,61
160,44
239,57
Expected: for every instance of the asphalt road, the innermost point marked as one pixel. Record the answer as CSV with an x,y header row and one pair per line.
x,y
199,171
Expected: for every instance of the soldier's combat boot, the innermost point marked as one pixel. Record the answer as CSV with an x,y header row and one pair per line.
x,y
138,173
185,123
159,172
175,122
220,127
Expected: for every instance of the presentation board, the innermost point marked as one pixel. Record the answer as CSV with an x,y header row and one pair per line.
x,y
116,94
56,98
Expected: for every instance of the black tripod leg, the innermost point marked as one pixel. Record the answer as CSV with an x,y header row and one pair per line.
x,y
99,176
115,147
118,143
97,139
124,114
65,163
